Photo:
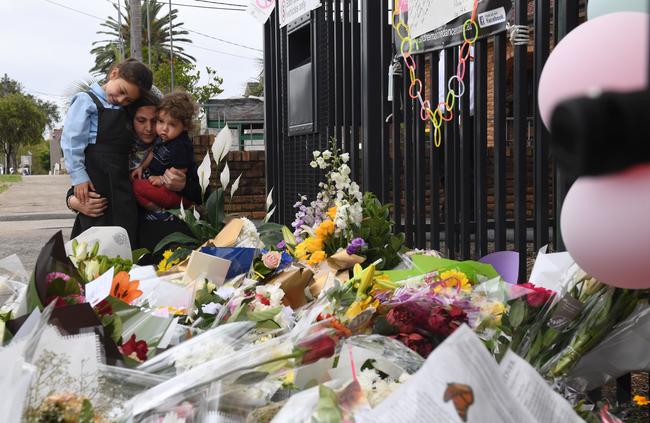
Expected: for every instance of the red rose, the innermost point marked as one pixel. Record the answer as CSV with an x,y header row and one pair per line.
x,y
406,317
132,346
538,297
444,321
417,343
317,347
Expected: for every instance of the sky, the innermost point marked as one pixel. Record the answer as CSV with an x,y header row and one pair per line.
x,y
46,47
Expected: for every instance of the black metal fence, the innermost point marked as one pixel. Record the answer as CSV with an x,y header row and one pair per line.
x,y
491,186
488,188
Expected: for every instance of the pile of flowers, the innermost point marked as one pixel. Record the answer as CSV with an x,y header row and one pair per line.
x,y
321,322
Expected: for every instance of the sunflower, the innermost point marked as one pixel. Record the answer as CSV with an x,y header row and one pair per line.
x,y
454,279
124,289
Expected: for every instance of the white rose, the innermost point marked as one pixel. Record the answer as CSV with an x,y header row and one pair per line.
x,y
327,154
345,157
316,154
313,164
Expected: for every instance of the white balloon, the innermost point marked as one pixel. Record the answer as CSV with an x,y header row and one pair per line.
x,y
597,8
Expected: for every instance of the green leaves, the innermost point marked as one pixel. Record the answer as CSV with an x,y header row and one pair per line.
x,y
271,233
87,414
377,230
175,238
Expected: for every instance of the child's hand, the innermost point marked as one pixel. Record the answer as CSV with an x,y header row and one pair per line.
x,y
81,191
136,173
155,181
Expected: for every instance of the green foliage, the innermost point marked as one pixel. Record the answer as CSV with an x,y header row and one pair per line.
x,y
22,122
107,51
377,230
187,77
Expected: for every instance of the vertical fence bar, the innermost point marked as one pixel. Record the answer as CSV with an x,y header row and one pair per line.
x,y
408,160
465,176
542,30
436,152
500,43
269,127
420,162
346,29
371,71
450,169
356,92
331,68
520,105
279,112
386,55
338,71
397,156
480,146
567,19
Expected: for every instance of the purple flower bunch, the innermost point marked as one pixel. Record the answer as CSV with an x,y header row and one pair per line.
x,y
310,215
356,245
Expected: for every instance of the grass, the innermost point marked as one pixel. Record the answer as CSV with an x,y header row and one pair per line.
x,y
5,180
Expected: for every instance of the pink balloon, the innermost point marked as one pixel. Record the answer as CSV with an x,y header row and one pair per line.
x,y
608,53
606,227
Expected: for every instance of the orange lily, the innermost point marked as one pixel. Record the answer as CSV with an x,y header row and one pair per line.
x,y
123,288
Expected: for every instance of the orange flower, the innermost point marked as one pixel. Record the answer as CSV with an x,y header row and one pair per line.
x,y
331,212
123,288
641,400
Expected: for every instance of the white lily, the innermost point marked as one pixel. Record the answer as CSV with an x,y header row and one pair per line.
x,y
182,211
269,200
204,171
222,144
197,216
235,186
268,215
225,177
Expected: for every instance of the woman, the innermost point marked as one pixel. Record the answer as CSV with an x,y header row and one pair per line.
x,y
151,227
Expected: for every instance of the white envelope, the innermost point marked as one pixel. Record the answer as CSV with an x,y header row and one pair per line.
x,y
212,268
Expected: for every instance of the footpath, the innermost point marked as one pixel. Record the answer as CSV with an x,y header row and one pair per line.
x,y
31,212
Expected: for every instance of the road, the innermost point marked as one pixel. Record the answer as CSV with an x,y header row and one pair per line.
x,y
31,212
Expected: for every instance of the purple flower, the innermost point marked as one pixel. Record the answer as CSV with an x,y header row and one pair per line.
x,y
281,245
355,246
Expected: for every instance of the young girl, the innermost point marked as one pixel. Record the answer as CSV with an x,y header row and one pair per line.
x,y
174,149
96,144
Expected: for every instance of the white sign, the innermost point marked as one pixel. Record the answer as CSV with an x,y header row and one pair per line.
x,y
261,9
427,15
290,10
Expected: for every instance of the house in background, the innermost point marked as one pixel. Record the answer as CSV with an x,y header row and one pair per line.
x,y
245,118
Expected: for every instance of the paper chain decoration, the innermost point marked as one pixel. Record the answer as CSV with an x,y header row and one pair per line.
x,y
415,89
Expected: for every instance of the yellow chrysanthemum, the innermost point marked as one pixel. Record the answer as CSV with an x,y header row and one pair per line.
x,y
332,213
325,229
164,265
314,244
454,279
317,257
301,250
360,305
640,400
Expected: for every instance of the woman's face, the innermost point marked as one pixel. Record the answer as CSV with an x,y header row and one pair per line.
x,y
144,124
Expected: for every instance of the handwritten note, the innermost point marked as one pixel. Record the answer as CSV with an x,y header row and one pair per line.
x,y
427,15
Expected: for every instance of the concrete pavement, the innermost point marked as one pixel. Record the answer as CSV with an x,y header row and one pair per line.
x,y
31,212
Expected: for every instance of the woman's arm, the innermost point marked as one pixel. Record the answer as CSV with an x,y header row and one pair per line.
x,y
94,207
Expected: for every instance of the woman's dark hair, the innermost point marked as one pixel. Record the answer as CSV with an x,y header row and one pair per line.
x,y
179,105
135,72
146,99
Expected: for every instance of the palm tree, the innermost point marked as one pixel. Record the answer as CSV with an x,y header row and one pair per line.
x,y
106,52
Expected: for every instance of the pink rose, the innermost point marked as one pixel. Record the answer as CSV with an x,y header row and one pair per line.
x,y
272,259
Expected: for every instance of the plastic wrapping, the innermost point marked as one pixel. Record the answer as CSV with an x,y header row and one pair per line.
x,y
197,347
14,281
624,350
241,259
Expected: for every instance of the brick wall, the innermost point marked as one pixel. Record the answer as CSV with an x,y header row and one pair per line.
x,y
249,200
